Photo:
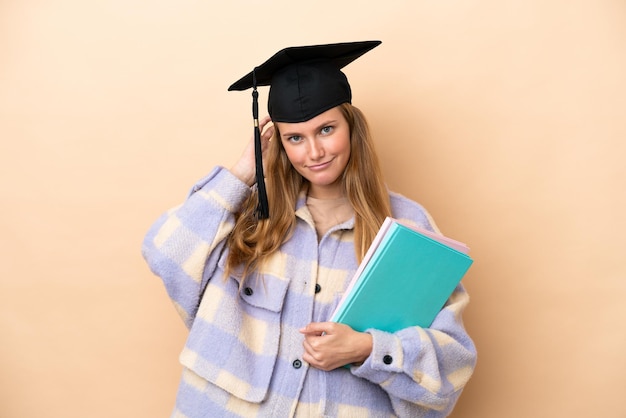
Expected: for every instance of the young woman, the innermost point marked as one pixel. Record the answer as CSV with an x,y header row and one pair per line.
x,y
256,291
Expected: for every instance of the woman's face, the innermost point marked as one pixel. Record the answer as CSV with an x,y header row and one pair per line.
x,y
319,149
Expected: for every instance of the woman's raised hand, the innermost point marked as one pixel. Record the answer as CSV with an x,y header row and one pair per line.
x,y
245,168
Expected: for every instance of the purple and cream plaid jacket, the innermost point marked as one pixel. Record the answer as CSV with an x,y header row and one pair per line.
x,y
243,354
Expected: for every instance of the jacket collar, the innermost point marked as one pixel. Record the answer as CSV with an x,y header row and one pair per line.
x,y
302,212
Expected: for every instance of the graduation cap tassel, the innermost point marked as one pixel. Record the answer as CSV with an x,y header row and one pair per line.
x,y
262,210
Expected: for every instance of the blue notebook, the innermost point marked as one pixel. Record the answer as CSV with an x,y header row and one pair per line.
x,y
404,280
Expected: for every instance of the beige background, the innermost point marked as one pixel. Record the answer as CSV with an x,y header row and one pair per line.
x,y
506,119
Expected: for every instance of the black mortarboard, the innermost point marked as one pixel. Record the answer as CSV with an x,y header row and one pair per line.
x,y
304,82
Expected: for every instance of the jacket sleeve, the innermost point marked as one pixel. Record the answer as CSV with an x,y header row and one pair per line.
x,y
183,246
424,369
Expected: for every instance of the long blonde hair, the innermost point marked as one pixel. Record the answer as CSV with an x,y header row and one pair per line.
x,y
252,241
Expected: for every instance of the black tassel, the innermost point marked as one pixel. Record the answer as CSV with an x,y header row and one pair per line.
x,y
262,210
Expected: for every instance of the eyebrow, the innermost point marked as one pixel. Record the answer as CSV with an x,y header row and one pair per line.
x,y
317,128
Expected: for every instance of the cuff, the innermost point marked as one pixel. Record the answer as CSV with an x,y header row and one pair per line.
x,y
387,355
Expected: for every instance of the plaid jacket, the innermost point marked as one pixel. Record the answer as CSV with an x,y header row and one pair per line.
x,y
243,354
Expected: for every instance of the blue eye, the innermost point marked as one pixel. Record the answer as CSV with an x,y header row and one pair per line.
x,y
326,130
294,138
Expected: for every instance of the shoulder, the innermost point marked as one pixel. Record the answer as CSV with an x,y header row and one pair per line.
x,y
405,209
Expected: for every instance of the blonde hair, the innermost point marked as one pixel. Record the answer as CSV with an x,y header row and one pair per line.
x,y
252,241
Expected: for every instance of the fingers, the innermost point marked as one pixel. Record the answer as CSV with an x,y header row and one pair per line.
x,y
318,328
264,122
245,167
266,134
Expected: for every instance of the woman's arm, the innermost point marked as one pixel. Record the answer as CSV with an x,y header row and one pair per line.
x,y
183,246
422,369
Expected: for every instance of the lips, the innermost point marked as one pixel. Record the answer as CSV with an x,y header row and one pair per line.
x,y
318,167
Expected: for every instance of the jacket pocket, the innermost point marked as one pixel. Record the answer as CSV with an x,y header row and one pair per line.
x,y
233,343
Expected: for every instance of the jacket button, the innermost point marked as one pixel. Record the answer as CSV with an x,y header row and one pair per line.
x,y
318,288
387,359
248,291
296,364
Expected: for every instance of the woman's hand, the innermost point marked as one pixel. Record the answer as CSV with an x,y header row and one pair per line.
x,y
245,168
328,345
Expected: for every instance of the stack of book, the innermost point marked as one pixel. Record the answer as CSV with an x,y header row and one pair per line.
x,y
404,280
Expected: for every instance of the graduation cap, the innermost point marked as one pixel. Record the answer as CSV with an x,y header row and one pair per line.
x,y
304,82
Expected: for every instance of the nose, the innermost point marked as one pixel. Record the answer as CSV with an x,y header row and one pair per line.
x,y
316,150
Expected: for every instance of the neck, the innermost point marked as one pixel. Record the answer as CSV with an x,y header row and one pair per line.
x,y
326,193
